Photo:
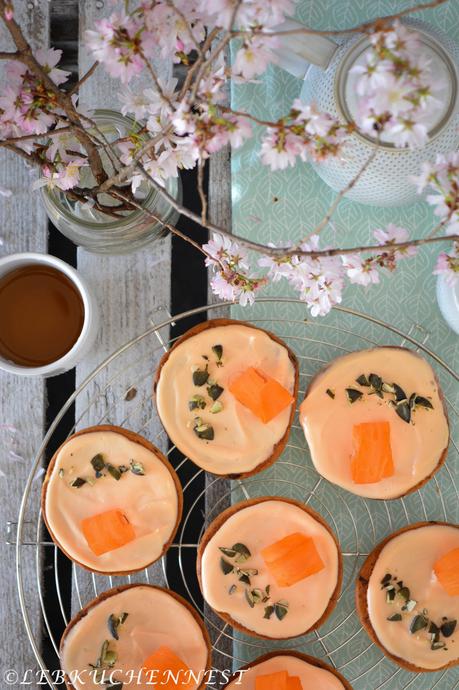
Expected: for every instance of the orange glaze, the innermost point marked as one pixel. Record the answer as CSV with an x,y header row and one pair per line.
x,y
311,677
259,526
410,557
328,423
242,441
155,620
149,502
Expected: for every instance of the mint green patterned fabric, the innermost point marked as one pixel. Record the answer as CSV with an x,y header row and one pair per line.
x,y
270,207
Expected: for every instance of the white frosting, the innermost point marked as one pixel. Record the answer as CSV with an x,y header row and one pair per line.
x,y
242,441
411,557
259,526
312,677
155,619
327,423
150,502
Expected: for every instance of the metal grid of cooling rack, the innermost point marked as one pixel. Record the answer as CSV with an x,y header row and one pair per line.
x,y
359,523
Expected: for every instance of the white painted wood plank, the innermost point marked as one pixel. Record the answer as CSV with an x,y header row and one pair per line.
x,y
130,289
23,227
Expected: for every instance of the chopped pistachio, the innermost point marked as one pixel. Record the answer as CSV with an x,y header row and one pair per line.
x,y
390,595
386,579
249,598
214,391
216,407
137,468
232,589
403,410
448,628
242,552
61,472
362,380
197,402
114,623
218,352
226,567
376,383
330,393
227,552
399,392
114,472
419,622
419,401
269,610
410,605
388,387
78,482
437,645
281,609
353,394
203,429
395,617
200,376
98,462
404,593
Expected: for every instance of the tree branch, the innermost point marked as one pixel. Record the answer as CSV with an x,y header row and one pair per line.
x,y
76,87
361,28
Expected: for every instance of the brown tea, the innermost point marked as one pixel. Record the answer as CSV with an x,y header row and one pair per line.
x,y
41,315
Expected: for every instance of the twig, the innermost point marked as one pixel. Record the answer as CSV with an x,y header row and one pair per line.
x,y
26,56
361,28
189,30
5,55
341,194
76,87
27,137
202,195
284,251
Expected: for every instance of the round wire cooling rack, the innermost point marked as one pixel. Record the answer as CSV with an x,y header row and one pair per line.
x,y
119,392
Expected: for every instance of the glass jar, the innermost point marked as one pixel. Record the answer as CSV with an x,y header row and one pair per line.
x,y
98,232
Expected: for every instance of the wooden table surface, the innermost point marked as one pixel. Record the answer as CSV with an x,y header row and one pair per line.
x,y
130,289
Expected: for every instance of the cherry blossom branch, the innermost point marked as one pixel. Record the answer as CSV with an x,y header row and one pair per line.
x,y
76,87
284,252
26,56
201,192
360,28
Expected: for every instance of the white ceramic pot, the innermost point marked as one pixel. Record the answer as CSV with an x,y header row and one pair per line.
x,y
325,65
91,315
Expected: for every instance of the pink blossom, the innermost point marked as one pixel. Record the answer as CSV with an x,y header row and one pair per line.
x,y
279,150
254,56
395,235
448,265
48,58
360,271
396,87
69,174
118,43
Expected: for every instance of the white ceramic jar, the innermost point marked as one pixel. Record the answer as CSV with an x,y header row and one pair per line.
x,y
325,66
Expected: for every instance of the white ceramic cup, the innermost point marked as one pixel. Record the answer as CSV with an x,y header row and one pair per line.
x,y
91,315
